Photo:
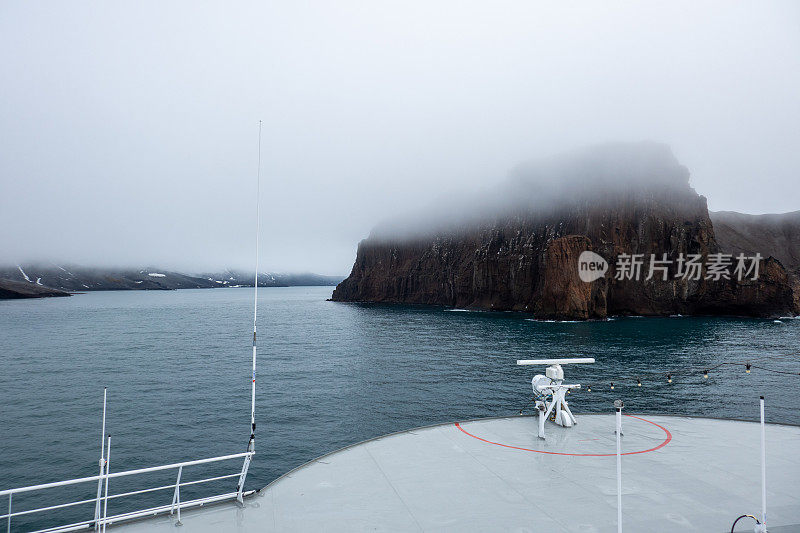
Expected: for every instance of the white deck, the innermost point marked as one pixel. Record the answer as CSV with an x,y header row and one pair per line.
x,y
441,478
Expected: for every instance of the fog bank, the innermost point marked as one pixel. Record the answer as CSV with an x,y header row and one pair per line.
x,y
128,131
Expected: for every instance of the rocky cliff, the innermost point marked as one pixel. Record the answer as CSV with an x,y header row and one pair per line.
x,y
517,248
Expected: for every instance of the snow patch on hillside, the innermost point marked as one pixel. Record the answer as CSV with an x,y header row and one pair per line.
x,y
24,275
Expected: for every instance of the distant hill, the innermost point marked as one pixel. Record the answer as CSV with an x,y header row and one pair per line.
x,y
777,235
271,279
10,290
72,278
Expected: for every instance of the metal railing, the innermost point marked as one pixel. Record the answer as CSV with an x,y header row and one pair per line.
x,y
101,520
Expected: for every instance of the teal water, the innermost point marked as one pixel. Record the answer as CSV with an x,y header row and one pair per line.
x,y
177,365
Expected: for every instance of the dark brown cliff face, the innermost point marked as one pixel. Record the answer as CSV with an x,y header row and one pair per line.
x,y
519,250
562,293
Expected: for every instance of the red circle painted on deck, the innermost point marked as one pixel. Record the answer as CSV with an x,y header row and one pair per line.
x,y
664,443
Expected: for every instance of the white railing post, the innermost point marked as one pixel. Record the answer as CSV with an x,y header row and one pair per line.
x,y
763,471
8,530
102,464
176,496
618,407
242,477
105,496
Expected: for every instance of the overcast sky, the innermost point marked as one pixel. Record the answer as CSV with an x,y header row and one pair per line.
x,y
128,131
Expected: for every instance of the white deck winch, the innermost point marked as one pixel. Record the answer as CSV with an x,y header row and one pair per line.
x,y
551,391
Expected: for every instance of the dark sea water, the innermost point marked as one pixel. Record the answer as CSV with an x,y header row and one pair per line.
x,y
177,365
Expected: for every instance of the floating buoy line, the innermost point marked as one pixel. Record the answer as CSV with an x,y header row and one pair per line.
x,y
670,376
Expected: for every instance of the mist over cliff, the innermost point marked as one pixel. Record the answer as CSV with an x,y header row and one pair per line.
x,y
601,175
516,247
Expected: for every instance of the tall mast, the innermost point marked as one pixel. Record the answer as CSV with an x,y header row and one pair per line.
x,y
251,445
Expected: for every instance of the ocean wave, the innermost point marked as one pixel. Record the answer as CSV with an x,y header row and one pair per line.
x,y
554,321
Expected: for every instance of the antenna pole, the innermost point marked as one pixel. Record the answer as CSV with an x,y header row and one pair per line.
x,y
105,496
763,470
251,445
255,298
618,408
102,464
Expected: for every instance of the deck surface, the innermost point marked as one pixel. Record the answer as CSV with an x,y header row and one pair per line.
x,y
679,474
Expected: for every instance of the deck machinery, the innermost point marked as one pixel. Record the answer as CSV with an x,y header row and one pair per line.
x,y
550,390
